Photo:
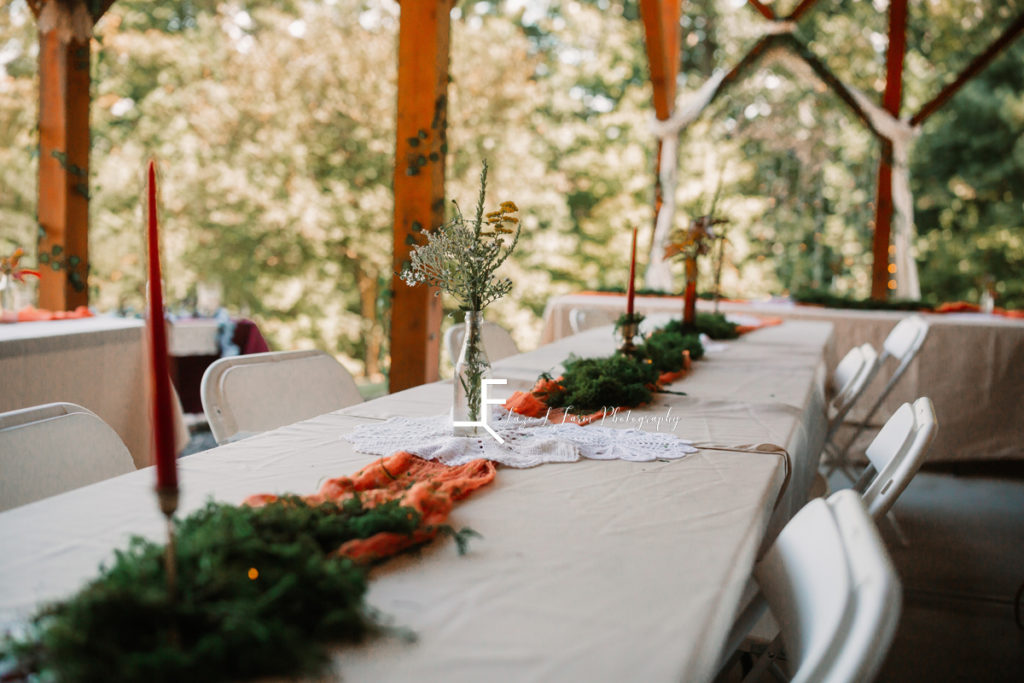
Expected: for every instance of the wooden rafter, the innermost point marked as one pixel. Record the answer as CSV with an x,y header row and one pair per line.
x,y
801,9
766,11
1012,32
421,146
891,100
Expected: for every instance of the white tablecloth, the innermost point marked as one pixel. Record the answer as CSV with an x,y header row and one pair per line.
x,y
98,363
594,570
971,366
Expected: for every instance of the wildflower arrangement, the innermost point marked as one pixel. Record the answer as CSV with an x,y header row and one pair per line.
x,y
461,256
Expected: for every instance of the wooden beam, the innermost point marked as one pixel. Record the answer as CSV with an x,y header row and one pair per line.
x,y
891,102
421,146
1011,33
801,9
63,210
766,12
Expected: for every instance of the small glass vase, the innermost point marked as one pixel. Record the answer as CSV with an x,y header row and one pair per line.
x,y
7,303
471,368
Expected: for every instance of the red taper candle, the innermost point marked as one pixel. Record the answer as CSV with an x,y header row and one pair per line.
x,y
631,291
163,415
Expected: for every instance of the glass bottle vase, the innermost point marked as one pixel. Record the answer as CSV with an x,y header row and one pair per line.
x,y
471,368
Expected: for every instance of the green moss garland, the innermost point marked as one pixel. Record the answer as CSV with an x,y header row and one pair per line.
x,y
828,300
664,348
224,625
715,325
590,384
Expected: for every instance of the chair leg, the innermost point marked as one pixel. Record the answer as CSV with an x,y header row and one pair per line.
x,y
768,661
897,529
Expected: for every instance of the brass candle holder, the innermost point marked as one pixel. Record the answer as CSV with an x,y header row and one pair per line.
x,y
629,327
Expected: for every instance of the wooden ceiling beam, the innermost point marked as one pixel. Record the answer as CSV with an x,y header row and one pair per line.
x,y
801,9
766,11
1012,32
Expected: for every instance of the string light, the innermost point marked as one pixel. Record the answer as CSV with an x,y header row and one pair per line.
x,y
253,573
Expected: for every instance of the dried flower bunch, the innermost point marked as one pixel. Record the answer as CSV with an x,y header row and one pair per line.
x,y
9,266
461,256
695,240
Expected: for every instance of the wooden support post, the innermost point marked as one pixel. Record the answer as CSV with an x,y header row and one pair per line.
x,y
419,183
661,33
891,103
65,31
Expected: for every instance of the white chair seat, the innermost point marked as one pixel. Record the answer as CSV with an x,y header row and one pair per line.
x,y
53,448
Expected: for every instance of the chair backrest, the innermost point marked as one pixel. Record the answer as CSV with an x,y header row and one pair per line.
x,y
498,343
56,447
245,395
832,588
851,376
896,454
905,340
583,319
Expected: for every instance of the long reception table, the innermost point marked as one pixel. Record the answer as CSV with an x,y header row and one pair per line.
x,y
593,570
971,365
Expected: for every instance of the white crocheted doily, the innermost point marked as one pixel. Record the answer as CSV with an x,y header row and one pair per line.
x,y
527,441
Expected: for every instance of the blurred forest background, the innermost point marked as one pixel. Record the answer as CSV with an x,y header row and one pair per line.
x,y
273,121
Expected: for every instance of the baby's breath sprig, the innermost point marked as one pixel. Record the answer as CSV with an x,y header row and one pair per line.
x,y
461,256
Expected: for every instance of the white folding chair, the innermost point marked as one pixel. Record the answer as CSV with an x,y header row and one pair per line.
x,y
246,395
582,319
895,455
849,380
56,447
903,344
498,343
831,586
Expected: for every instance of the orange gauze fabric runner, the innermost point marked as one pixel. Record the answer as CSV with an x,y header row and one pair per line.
x,y
426,486
765,322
